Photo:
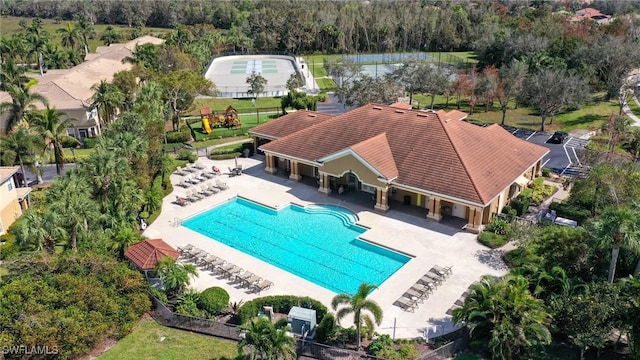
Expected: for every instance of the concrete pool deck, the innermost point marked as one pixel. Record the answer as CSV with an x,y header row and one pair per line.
x,y
429,242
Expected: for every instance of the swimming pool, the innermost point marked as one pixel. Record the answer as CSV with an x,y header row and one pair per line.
x,y
319,243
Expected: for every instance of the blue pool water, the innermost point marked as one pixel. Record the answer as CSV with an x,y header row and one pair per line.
x,y
318,243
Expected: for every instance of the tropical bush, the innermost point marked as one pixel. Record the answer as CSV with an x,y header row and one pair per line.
x,y
492,240
520,205
510,212
281,304
70,301
213,300
498,226
187,304
326,330
90,143
9,245
537,191
187,155
225,156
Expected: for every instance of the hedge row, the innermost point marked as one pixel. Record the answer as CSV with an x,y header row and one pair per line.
x,y
570,211
281,304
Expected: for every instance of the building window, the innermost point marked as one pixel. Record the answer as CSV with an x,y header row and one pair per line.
x,y
10,185
71,132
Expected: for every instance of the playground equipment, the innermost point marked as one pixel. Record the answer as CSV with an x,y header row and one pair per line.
x,y
229,119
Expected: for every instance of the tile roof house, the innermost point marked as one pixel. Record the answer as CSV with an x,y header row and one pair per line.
x,y
593,14
13,200
146,254
431,160
69,90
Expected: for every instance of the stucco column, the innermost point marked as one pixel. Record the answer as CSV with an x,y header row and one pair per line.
x,y
382,201
474,219
295,171
270,168
255,145
324,183
434,212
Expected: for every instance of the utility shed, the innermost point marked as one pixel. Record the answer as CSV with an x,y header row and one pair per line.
x,y
301,320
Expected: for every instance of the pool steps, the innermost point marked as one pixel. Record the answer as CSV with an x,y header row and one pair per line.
x,y
348,219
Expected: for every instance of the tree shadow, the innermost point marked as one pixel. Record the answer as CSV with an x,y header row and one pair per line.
x,y
492,258
584,119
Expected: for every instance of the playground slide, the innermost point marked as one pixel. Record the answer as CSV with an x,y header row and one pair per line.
x,y
205,125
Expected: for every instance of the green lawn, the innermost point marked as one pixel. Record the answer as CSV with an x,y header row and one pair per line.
x,y
150,340
10,25
248,121
242,105
590,116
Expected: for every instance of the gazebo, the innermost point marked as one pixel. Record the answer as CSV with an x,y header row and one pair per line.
x,y
146,254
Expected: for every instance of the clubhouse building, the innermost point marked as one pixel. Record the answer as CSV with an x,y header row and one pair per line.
x,y
430,160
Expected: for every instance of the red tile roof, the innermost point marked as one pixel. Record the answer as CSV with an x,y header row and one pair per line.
x,y
401,105
148,253
429,151
289,124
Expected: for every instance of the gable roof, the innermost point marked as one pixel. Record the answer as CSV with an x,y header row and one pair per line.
x,y
146,254
7,172
429,151
289,124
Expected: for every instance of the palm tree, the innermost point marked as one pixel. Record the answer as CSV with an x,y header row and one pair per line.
x,y
40,231
503,317
125,237
110,36
12,74
69,36
37,39
175,275
106,97
356,304
22,101
267,340
85,31
616,227
70,196
20,143
52,124
55,57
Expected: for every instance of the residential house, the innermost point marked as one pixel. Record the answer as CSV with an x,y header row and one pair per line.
x,y
429,160
592,14
69,90
13,200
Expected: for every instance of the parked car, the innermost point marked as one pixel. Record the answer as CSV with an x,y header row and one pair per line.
x,y
558,137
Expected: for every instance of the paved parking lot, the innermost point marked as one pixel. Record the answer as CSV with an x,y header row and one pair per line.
x,y
563,159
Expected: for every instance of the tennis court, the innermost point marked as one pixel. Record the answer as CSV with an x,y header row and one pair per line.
x,y
230,73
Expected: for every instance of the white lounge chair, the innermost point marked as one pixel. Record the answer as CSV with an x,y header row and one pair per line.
x,y
221,185
262,286
405,304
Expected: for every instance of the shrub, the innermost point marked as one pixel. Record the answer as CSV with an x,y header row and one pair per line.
x,y
492,240
188,304
380,343
9,247
498,226
90,143
69,142
159,294
225,156
326,329
510,212
546,173
178,137
520,204
213,300
347,335
570,211
187,155
281,304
